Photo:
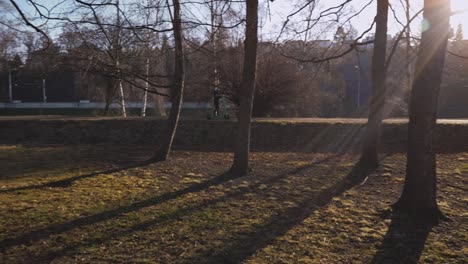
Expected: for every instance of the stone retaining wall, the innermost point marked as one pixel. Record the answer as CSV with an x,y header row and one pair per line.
x,y
219,135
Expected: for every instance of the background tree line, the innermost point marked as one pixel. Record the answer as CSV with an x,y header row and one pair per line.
x,y
79,65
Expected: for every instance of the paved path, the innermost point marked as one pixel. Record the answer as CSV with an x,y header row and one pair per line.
x,y
288,120
354,120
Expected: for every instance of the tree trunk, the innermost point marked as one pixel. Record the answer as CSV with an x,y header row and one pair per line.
x,y
419,192
240,165
118,51
409,81
158,103
167,137
214,44
122,98
108,96
106,109
369,157
145,94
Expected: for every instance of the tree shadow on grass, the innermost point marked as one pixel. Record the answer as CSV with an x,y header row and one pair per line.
x,y
31,161
69,181
96,218
404,241
279,224
44,233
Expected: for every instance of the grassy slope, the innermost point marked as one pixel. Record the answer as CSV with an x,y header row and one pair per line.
x,y
55,205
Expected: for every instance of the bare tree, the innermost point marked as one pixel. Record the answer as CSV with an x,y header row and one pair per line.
x,y
369,157
408,43
177,90
151,54
419,192
117,46
240,166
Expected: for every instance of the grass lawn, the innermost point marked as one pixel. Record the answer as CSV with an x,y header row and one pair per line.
x,y
88,204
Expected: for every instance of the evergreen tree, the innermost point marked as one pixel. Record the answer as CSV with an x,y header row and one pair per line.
x,y
459,33
340,35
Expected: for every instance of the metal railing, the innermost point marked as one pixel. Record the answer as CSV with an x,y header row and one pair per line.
x,y
94,105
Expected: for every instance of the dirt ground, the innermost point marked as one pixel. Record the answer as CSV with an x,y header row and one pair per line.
x,y
90,204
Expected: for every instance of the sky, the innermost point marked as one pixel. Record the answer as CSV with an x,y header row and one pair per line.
x,y
272,22
458,5
279,9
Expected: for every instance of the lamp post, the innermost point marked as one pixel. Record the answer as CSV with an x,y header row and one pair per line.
x,y
358,99
44,96
10,86
12,68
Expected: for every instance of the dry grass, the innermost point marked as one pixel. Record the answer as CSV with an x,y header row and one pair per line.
x,y
82,204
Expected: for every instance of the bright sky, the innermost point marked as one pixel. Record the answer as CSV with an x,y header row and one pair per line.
x,y
459,5
281,8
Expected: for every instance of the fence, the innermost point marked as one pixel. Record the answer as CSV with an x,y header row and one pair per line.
x,y
94,105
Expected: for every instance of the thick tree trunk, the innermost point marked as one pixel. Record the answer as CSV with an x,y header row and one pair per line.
x,y
369,157
240,165
167,137
419,192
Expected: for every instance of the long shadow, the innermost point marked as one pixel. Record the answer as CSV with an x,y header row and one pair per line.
x,y
89,220
404,241
69,181
43,233
49,256
69,249
279,225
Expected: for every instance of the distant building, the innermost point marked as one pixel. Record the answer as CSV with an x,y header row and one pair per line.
x,y
371,37
322,43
